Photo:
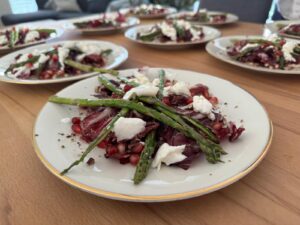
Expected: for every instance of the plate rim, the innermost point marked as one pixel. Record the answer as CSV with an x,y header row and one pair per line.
x,y
71,78
246,66
156,198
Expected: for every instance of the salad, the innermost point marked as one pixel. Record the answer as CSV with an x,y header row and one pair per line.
x,y
148,10
272,53
63,60
202,16
108,20
151,123
172,31
291,29
15,37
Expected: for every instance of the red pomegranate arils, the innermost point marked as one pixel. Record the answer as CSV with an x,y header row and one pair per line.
x,y
121,148
76,128
134,159
138,148
76,120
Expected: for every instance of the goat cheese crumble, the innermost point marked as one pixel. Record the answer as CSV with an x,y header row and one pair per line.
x,y
128,128
168,155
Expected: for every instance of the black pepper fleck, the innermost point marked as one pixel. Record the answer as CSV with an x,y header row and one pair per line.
x,y
91,161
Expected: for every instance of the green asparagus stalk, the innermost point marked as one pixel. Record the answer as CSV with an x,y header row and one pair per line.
x,y
16,65
212,151
103,134
162,75
126,81
149,37
281,62
88,68
158,104
110,86
49,31
14,36
106,52
144,164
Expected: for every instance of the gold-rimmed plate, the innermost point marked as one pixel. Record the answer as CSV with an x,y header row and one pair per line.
x,y
6,49
276,26
230,18
218,49
210,33
107,178
130,22
118,56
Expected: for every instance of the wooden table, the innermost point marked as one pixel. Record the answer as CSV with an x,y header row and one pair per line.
x,y
29,194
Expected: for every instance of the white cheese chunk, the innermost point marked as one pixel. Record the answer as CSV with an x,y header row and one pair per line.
x,y
3,40
88,48
31,36
180,88
247,46
168,30
128,128
140,78
142,90
202,105
168,155
62,55
288,49
22,58
156,82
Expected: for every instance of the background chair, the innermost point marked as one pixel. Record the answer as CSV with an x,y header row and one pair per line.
x,y
87,7
256,11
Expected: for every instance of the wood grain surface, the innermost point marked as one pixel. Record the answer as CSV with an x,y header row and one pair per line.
x,y
30,195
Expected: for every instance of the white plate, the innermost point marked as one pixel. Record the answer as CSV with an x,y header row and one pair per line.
x,y
209,32
273,27
169,10
218,49
131,21
231,18
6,49
107,178
118,56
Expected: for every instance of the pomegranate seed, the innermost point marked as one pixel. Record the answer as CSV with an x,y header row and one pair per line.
x,y
55,58
138,148
214,100
189,100
127,87
166,100
134,159
121,147
76,128
217,126
76,120
102,144
111,150
29,65
124,159
30,56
